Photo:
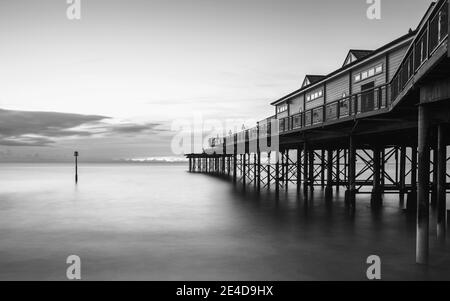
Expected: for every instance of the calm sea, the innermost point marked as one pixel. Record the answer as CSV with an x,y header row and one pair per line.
x,y
158,222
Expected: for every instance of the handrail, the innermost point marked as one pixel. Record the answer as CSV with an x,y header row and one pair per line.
x,y
430,36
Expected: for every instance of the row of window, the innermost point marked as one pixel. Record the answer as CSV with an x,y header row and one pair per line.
x,y
282,108
369,73
358,77
314,95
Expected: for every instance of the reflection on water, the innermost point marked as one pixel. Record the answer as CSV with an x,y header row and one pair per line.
x,y
158,222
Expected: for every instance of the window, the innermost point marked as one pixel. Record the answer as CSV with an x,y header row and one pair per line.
x,y
364,75
369,73
314,95
282,108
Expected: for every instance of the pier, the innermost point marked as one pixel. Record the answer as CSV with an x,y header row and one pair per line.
x,y
377,125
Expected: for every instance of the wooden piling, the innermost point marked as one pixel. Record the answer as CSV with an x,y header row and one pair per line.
x,y
351,191
322,168
305,168
329,187
383,168
423,201
338,169
235,168
277,173
299,169
286,172
244,171
255,177
376,198
402,178
269,154
282,153
441,160
311,169
411,202
434,192
258,179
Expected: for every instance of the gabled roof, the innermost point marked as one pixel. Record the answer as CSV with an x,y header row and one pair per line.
x,y
311,79
409,35
403,38
355,55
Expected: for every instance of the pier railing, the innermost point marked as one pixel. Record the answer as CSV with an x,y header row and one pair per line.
x,y
362,102
430,36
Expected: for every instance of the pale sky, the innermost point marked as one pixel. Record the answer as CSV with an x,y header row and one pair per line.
x,y
127,69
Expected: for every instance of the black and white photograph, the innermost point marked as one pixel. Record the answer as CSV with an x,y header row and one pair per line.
x,y
199,143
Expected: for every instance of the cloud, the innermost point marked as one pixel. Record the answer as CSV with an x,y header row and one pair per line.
x,y
33,128
26,141
130,128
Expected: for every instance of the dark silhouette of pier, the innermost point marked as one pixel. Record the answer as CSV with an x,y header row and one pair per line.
x,y
393,108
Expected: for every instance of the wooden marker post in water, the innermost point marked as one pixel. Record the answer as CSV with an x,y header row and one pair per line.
x,y
76,166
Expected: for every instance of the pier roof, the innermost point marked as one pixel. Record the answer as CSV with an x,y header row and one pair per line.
x,y
367,57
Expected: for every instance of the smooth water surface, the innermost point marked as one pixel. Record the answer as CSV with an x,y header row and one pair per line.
x,y
158,222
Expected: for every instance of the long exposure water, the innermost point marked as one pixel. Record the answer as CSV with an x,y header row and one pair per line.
x,y
158,222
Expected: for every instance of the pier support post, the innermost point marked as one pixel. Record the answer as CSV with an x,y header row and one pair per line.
x,y
345,165
441,182
258,183
299,169
338,169
423,201
350,194
322,168
329,187
244,171
277,173
376,200
254,170
234,168
305,169
402,179
190,164
411,201
223,164
269,154
311,169
383,168
434,192
282,153
286,172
